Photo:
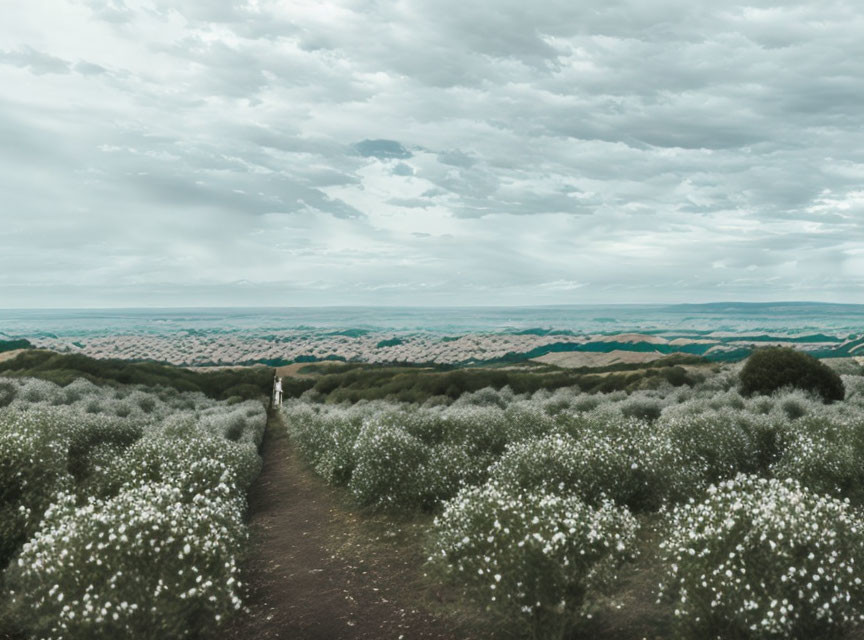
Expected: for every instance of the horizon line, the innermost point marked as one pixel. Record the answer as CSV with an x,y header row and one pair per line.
x,y
434,306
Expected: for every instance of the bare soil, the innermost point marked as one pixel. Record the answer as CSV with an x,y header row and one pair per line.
x,y
577,359
293,370
8,355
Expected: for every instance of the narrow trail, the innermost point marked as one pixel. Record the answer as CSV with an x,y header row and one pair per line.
x,y
299,588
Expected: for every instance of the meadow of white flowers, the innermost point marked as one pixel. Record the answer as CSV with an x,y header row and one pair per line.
x,y
121,509
752,504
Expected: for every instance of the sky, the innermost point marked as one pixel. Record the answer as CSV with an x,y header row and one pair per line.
x,y
436,152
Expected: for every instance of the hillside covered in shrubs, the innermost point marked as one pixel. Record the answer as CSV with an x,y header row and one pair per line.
x,y
544,500
63,369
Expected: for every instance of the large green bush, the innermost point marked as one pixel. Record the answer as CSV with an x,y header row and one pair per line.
x,y
774,368
8,391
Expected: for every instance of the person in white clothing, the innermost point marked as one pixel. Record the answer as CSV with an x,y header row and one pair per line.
x,y
277,391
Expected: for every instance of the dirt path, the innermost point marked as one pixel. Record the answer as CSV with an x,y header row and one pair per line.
x,y
316,573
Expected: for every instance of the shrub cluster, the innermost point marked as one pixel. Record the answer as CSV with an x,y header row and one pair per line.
x,y
63,369
356,382
535,556
121,510
499,467
762,558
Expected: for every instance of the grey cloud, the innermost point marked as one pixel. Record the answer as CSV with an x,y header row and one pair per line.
x,y
384,149
36,61
411,203
455,158
89,69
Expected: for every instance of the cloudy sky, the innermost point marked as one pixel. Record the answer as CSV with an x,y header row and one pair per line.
x,y
306,152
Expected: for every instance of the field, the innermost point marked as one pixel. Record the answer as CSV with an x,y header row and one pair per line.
x,y
555,511
636,500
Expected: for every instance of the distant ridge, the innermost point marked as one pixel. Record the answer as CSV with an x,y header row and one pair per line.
x,y
762,306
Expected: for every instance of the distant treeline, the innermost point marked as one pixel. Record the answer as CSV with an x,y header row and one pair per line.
x,y
351,382
355,382
64,368
12,345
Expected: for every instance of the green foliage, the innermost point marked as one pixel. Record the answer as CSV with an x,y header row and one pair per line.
x,y
392,342
353,383
121,512
390,466
534,556
8,391
62,369
149,562
825,456
764,559
33,468
771,369
13,345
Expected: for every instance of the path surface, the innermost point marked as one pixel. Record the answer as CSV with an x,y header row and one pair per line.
x,y
300,588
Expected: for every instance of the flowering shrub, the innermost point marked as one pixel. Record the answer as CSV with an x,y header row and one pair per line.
x,y
535,556
307,428
554,463
450,468
38,391
486,397
337,460
94,441
498,457
524,421
143,564
327,441
124,509
633,466
763,558
825,456
390,467
195,465
643,408
715,442
391,456
243,422
32,470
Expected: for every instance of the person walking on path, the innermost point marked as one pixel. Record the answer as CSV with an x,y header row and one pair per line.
x,y
277,391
